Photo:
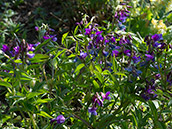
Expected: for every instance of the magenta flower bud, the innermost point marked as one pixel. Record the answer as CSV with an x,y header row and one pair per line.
x,y
30,47
17,49
115,52
46,37
60,119
36,28
5,48
88,31
105,96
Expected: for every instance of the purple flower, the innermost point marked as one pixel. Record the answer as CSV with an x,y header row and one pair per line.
x,y
115,52
37,44
156,44
92,110
113,39
99,36
157,37
116,15
127,52
60,119
157,76
122,41
134,71
46,37
54,39
88,31
106,96
106,41
50,29
36,28
5,48
145,97
17,49
83,55
30,55
150,91
136,59
30,47
98,32
149,57
105,53
97,100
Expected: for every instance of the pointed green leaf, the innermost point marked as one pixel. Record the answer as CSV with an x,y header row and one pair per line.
x,y
42,44
6,84
99,76
63,38
59,53
44,114
96,85
79,67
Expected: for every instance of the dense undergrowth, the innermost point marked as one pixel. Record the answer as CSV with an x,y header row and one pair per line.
x,y
98,64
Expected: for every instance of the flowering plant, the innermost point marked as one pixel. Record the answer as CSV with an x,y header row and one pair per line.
x,y
100,76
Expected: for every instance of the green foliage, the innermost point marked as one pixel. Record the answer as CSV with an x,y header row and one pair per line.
x,y
91,75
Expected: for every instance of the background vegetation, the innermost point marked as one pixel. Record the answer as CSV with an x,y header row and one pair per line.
x,y
99,64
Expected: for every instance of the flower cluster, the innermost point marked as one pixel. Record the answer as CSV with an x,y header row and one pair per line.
x,y
97,99
148,92
122,13
20,51
154,44
47,32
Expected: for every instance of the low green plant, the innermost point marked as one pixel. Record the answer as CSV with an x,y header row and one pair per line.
x,y
101,76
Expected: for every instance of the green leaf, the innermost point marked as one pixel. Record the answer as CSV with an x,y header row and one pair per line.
x,y
5,74
120,74
63,38
39,58
18,61
39,101
44,114
59,53
91,68
98,68
26,77
76,47
76,30
5,118
160,125
114,62
78,68
153,110
6,84
32,94
134,120
96,85
99,76
42,44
